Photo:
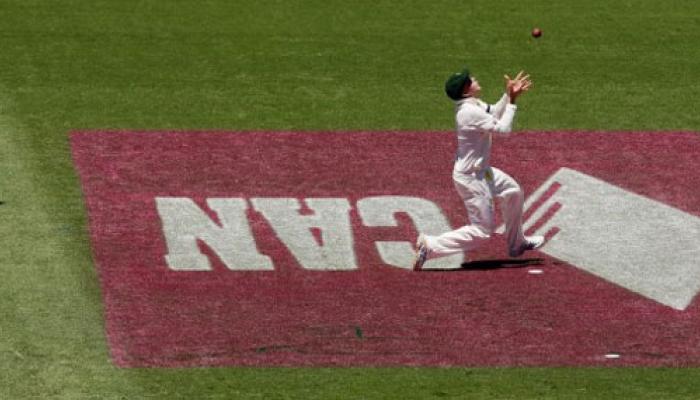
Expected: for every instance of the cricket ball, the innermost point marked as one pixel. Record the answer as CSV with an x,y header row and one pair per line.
x,y
536,32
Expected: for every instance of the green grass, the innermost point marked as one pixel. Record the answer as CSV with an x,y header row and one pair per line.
x,y
294,65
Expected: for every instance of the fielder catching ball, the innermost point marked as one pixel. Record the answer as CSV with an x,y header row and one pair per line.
x,y
476,181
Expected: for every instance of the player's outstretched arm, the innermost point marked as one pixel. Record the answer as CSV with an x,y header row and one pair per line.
x,y
500,106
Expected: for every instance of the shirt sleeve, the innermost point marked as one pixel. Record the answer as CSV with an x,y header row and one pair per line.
x,y
500,107
475,118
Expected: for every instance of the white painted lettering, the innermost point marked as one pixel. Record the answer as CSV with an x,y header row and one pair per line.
x,y
427,217
184,223
330,217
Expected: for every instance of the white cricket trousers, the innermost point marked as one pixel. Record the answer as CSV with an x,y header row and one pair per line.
x,y
478,191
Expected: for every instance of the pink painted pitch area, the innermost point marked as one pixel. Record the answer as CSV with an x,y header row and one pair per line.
x,y
491,312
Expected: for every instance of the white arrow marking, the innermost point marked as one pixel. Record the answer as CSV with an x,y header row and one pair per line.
x,y
640,244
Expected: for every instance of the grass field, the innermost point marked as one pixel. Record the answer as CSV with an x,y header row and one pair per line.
x,y
294,65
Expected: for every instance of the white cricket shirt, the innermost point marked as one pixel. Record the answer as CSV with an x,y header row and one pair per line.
x,y
476,123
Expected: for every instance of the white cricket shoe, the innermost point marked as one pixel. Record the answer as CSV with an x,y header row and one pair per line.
x,y
421,253
531,243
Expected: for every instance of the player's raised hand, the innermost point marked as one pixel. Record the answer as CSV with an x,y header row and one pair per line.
x,y
518,85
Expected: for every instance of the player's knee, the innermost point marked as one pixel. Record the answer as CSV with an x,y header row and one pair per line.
x,y
486,229
514,193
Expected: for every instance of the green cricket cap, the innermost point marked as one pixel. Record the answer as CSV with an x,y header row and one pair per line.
x,y
454,87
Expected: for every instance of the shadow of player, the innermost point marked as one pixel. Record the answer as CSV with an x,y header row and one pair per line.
x,y
488,265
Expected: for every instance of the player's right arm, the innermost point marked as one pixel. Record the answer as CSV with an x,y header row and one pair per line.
x,y
500,106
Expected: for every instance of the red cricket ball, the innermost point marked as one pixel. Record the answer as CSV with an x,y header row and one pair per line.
x,y
537,32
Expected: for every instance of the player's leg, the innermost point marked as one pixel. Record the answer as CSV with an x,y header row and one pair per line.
x,y
512,198
478,201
